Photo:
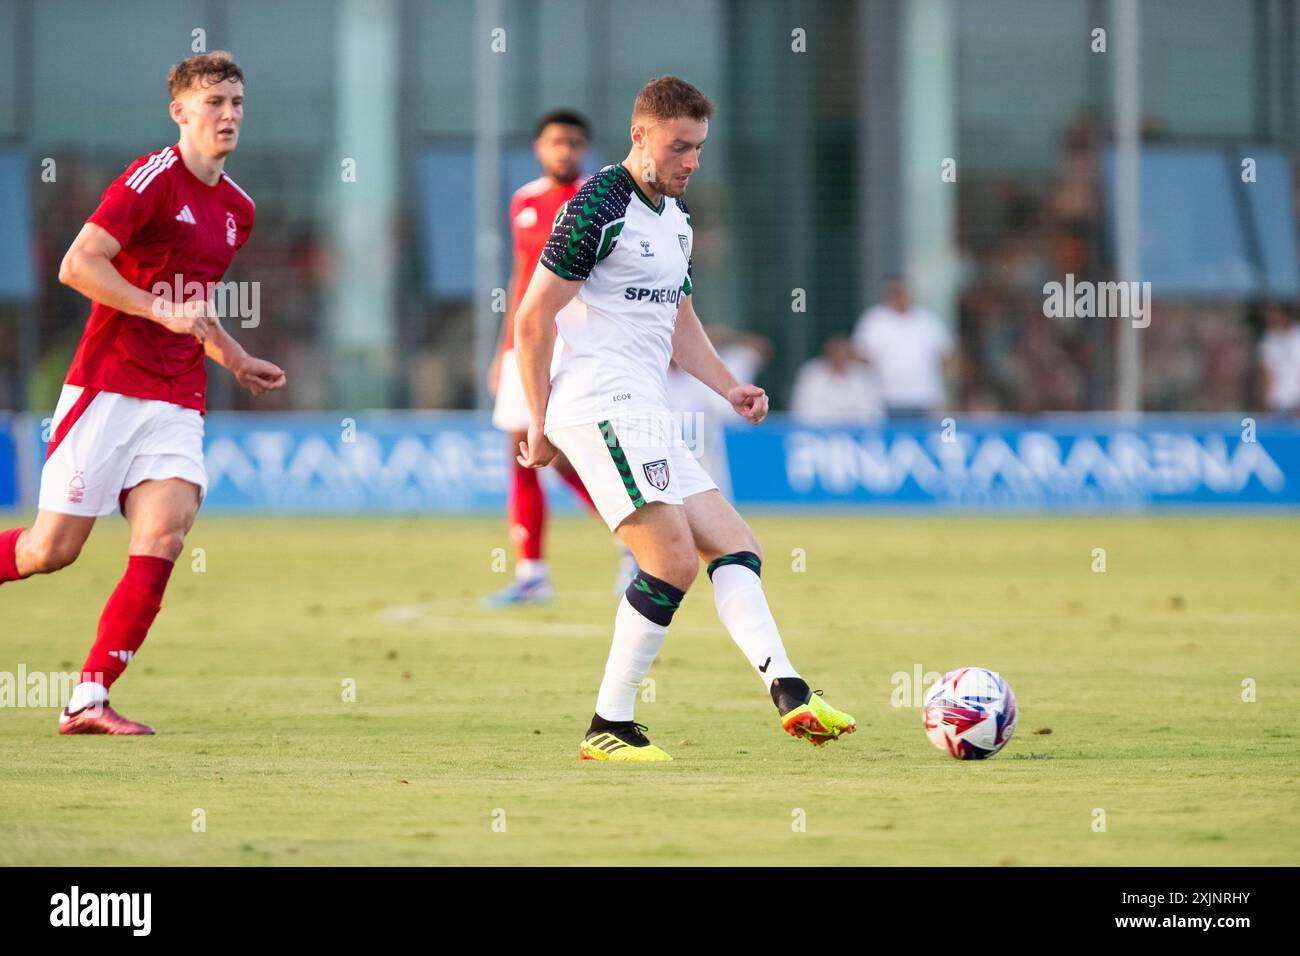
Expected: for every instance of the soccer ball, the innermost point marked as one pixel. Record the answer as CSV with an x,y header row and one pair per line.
x,y
970,713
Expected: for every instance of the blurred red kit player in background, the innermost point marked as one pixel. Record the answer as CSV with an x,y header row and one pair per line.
x,y
560,144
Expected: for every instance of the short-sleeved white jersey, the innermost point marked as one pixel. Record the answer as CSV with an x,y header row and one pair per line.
x,y
635,263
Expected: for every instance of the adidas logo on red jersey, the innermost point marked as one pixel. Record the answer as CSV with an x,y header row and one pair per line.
x,y
185,215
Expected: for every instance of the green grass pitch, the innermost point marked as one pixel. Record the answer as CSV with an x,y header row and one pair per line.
x,y
461,744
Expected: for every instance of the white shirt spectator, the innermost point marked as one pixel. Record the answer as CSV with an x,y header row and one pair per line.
x,y
1279,354
907,350
826,396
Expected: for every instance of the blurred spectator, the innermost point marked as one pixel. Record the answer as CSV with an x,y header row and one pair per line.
x,y
836,389
1279,360
1017,233
909,348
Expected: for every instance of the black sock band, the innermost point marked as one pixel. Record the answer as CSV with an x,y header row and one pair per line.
x,y
656,600
746,559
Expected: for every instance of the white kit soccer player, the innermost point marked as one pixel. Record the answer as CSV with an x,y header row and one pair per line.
x,y
623,246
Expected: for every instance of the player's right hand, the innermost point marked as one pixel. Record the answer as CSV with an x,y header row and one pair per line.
x,y
537,451
188,318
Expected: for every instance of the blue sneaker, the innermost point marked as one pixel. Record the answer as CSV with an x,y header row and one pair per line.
x,y
520,591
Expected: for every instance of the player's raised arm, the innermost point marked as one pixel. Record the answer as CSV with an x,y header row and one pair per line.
x,y
534,345
694,353
88,267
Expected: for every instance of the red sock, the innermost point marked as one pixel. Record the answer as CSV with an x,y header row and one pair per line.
x,y
9,555
576,484
527,512
130,610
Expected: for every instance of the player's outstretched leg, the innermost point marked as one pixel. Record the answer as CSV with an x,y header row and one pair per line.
x,y
659,536
53,542
160,514
735,568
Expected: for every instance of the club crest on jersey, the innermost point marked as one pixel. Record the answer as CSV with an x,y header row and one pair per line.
x,y
77,488
231,232
645,249
656,472
685,248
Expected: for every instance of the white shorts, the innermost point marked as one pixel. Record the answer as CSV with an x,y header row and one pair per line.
x,y
102,444
511,414
628,462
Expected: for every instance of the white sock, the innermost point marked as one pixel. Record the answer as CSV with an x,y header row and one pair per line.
x,y
86,694
742,608
637,641
528,569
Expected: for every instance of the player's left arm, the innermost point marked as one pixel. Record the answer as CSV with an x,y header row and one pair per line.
x,y
695,354
255,374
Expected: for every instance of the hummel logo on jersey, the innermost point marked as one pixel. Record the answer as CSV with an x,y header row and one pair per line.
x,y
185,215
645,249
123,656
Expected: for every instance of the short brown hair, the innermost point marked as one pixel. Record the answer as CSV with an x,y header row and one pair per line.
x,y
210,68
668,97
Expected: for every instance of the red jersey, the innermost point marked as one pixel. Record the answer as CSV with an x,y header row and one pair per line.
x,y
169,223
532,217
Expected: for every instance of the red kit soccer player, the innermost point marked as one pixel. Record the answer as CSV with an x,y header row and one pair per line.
x,y
128,429
560,144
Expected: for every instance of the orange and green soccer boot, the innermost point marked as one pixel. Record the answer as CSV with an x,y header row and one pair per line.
x,y
805,714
